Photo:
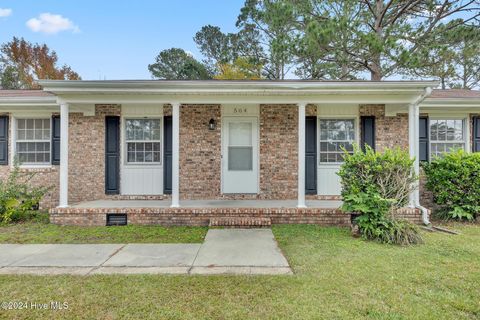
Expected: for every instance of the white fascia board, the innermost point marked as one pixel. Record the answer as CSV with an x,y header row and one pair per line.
x,y
65,85
260,88
450,103
28,101
240,99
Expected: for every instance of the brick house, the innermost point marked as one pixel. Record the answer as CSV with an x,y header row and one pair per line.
x,y
194,152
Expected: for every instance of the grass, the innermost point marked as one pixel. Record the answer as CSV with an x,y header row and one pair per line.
x,y
336,277
38,230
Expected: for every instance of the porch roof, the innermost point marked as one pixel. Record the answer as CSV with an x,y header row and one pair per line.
x,y
233,91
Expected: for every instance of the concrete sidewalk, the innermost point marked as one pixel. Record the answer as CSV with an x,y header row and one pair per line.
x,y
225,251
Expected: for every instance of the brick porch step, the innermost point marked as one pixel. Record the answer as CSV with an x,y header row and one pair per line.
x,y
240,222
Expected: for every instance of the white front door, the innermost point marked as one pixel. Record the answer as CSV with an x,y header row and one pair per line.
x,y
240,155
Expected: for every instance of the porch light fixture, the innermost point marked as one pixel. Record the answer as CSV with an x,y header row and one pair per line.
x,y
212,125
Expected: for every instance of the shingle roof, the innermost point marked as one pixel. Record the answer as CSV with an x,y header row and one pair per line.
x,y
455,93
25,93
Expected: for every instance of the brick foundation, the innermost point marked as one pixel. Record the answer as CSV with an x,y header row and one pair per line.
x,y
201,216
198,216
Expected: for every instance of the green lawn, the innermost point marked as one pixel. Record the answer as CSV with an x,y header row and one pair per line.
x,y
336,277
38,230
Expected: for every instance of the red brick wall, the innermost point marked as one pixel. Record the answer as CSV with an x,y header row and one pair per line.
x,y
278,151
200,152
86,160
390,132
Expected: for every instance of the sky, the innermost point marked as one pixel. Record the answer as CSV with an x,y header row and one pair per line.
x,y
114,39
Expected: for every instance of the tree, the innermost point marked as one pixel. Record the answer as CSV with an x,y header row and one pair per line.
x,y
385,36
22,63
176,64
453,56
216,46
240,69
323,43
273,22
436,59
225,53
467,71
9,78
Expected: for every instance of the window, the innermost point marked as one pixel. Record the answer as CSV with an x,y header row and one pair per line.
x,y
446,135
336,134
143,140
240,149
33,141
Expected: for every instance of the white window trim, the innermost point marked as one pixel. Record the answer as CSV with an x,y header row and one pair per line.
x,y
355,119
466,130
13,139
124,141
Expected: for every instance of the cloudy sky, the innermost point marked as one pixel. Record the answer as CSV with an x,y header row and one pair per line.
x,y
114,39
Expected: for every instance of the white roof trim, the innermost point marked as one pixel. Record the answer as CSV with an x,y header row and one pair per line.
x,y
220,92
450,102
28,101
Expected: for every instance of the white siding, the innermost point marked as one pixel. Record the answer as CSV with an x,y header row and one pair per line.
x,y
328,180
144,179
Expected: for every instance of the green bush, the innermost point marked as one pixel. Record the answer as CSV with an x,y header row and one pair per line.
x,y
374,185
454,180
37,216
17,196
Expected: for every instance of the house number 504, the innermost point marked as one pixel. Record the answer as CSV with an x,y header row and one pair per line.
x,y
240,110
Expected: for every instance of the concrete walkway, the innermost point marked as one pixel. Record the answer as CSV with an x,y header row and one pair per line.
x,y
225,251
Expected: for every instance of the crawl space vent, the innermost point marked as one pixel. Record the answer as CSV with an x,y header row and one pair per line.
x,y
116,219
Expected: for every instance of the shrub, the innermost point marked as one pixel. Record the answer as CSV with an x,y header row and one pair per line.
x,y
375,185
454,180
17,196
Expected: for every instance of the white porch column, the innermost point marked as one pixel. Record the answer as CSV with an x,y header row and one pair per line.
x,y
301,155
175,155
414,147
64,154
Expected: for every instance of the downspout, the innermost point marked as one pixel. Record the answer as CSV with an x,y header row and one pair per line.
x,y
417,204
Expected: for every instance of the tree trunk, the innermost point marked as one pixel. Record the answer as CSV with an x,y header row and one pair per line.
x,y
376,66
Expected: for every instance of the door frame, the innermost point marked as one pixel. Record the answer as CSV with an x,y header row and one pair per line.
x,y
223,157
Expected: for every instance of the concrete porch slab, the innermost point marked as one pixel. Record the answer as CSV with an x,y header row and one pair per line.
x,y
155,255
240,248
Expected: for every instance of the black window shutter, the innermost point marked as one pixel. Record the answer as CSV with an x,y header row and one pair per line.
x,y
311,155
423,139
167,155
476,134
368,132
55,140
112,155
3,140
